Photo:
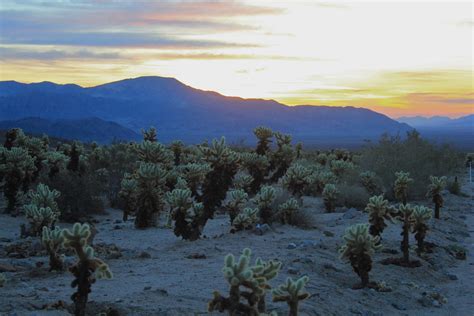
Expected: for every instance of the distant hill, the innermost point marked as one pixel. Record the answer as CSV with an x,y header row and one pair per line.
x,y
86,130
441,129
182,112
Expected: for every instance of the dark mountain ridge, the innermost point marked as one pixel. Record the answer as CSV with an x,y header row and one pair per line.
x,y
192,115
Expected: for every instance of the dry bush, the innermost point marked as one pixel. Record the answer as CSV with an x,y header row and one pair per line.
x,y
354,195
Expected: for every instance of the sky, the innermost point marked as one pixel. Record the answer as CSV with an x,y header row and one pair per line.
x,y
400,58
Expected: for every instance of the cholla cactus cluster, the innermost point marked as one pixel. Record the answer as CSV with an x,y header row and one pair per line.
x,y
87,268
257,166
368,179
359,247
248,285
341,167
434,191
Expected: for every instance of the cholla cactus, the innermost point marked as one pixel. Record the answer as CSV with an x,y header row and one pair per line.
x,y
38,218
405,214
149,135
44,197
243,182
177,147
56,161
151,181
420,215
153,152
401,186
287,210
52,240
292,292
379,210
128,192
264,200
3,280
242,276
368,179
257,166
322,159
330,194
283,156
359,247
434,191
264,135
184,211
320,178
87,268
195,174
297,179
298,150
16,169
245,220
340,167
237,200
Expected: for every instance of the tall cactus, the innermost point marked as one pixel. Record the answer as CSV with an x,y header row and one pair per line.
x,y
406,212
291,292
434,191
128,192
87,268
359,247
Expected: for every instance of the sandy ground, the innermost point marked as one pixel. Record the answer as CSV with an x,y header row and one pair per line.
x,y
154,273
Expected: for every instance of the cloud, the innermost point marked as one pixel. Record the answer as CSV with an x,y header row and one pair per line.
x,y
8,53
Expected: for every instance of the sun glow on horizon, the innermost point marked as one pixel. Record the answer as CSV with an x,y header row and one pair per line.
x,y
398,58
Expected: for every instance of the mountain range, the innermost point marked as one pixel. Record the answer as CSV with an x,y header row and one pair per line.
x,y
119,110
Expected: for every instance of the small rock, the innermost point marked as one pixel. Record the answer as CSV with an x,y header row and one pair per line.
x,y
293,270
118,221
5,267
307,244
147,288
144,255
117,227
291,246
436,303
330,266
399,307
196,256
262,229
452,276
119,300
351,213
328,233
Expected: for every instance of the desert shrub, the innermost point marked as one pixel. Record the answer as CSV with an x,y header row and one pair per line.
x,y
81,195
414,155
354,196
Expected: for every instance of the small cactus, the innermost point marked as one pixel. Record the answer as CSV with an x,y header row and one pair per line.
x,y
420,215
297,179
87,268
264,200
243,182
247,282
245,220
402,182
434,191
359,247
291,292
330,194
52,240
379,210
288,209
236,202
38,218
368,180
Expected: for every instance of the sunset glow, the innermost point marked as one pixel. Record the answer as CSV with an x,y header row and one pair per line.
x,y
398,58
